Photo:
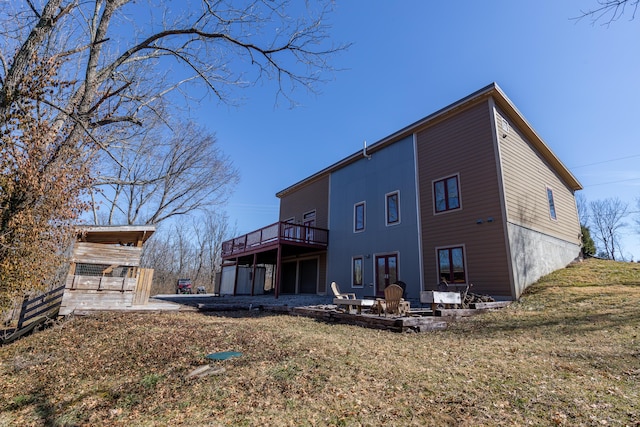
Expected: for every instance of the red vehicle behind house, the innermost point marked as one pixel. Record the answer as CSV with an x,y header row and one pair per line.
x,y
184,286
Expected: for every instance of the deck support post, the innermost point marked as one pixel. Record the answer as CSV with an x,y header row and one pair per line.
x,y
278,270
235,279
253,273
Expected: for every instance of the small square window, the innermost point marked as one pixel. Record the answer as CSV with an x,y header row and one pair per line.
x,y
552,205
446,194
359,217
393,208
357,272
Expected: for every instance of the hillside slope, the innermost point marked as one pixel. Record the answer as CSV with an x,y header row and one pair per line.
x,y
567,354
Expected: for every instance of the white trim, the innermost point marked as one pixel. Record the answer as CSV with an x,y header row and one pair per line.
x,y
364,216
433,193
553,198
304,215
502,189
386,209
418,217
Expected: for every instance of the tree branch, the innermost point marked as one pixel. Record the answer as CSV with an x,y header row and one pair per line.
x,y
612,8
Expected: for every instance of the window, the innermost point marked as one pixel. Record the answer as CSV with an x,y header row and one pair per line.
x,y
357,270
104,270
289,230
446,194
451,265
358,217
309,221
393,208
552,205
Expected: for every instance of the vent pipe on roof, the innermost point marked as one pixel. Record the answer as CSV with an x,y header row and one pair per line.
x,y
364,151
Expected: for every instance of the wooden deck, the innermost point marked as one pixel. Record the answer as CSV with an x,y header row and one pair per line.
x,y
280,233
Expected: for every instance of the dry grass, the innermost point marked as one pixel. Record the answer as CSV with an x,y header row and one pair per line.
x,y
567,354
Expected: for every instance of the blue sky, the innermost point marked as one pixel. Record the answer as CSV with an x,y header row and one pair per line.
x,y
575,82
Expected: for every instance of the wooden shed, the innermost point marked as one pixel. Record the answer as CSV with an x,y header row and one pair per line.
x,y
105,271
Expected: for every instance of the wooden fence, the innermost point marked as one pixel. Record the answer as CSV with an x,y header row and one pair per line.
x,y
143,287
41,305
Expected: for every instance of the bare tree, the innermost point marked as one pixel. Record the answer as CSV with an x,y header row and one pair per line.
x,y
120,67
154,179
610,11
215,230
118,62
159,254
583,208
187,251
607,220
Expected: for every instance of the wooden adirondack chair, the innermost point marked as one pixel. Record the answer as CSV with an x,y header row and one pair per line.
x,y
337,294
394,304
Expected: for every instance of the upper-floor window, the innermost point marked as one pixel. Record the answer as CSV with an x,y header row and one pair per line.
x,y
552,205
393,208
446,194
289,228
309,221
451,265
358,217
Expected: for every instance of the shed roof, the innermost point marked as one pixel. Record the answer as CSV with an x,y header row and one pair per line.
x,y
115,234
491,90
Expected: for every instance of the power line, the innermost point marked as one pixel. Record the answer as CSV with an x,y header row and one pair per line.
x,y
606,161
613,182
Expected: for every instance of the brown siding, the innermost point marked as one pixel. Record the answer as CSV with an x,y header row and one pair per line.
x,y
314,196
464,144
526,177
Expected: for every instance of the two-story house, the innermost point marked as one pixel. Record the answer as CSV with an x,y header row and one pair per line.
x,y
468,194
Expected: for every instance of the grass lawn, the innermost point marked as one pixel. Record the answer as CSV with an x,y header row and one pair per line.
x,y
568,353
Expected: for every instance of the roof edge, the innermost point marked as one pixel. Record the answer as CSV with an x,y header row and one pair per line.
x,y
491,89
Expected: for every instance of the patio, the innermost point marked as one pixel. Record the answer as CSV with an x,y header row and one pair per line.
x,y
420,318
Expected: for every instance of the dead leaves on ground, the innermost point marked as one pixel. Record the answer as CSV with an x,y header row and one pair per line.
x,y
560,363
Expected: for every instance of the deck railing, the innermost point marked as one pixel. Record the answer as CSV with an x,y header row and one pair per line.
x,y
271,235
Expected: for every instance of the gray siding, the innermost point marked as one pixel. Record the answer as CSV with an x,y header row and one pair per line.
x,y
464,144
389,169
